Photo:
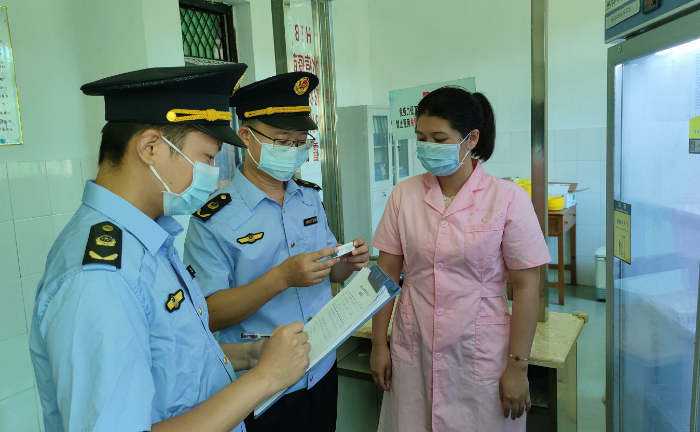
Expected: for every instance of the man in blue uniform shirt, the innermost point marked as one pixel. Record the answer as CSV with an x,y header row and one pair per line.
x,y
258,246
120,336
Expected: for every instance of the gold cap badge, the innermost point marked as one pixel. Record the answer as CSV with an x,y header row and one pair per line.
x,y
301,86
238,84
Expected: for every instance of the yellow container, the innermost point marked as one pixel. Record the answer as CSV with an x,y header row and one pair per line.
x,y
555,203
527,185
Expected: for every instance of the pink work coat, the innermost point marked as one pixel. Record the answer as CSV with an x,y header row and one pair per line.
x,y
450,337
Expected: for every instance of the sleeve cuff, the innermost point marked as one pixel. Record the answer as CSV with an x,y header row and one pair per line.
x,y
392,249
524,265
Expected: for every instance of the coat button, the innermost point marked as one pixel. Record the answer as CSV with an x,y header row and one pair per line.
x,y
225,361
294,244
439,266
284,211
308,319
444,224
440,312
438,356
200,311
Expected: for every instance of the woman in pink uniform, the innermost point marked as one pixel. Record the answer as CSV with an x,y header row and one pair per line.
x,y
458,359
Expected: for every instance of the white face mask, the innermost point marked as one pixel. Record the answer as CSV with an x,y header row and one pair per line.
x,y
441,159
204,178
280,162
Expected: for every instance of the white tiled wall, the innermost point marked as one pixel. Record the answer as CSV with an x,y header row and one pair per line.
x,y
37,199
575,155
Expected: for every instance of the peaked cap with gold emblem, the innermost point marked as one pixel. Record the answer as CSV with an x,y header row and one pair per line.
x,y
104,245
197,96
281,101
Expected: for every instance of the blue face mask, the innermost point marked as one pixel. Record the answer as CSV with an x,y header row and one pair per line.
x,y
441,159
204,178
280,162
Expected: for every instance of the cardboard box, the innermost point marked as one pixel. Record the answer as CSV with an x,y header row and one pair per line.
x,y
567,191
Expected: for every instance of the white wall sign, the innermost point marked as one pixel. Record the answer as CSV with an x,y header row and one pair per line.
x,y
628,11
611,5
302,58
403,105
10,126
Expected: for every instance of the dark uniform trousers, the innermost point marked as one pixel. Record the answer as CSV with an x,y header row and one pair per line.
x,y
307,410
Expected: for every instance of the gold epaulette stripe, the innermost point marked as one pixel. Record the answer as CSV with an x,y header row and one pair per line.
x,y
277,110
209,115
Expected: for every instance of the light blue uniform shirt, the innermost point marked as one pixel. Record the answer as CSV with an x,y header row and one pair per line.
x,y
108,355
222,262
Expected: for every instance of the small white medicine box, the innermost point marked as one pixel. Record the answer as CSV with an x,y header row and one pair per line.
x,y
566,190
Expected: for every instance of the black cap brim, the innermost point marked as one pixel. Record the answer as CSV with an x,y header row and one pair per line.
x,y
300,123
224,133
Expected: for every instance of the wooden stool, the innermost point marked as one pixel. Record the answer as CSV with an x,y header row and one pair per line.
x,y
560,222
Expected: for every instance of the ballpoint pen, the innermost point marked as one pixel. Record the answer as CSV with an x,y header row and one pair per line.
x,y
255,336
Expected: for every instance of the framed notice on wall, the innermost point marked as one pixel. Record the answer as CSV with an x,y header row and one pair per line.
x,y
403,104
10,125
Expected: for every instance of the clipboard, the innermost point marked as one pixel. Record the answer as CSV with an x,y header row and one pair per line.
x,y
385,288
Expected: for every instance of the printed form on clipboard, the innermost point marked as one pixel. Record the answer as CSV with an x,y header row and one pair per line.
x,y
368,292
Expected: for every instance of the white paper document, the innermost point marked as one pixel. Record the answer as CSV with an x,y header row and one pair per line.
x,y
368,292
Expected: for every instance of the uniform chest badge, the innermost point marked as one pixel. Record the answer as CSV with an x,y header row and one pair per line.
x,y
174,301
251,238
310,221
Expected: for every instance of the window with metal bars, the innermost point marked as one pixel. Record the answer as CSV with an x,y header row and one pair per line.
x,y
207,31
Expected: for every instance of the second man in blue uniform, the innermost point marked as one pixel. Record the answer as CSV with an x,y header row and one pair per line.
x,y
261,246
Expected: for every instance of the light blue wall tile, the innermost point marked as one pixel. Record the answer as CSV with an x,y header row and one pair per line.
x,y
19,413
16,366
34,240
9,263
565,172
65,185
12,322
588,209
585,270
566,145
89,168
590,144
589,176
5,202
503,149
587,240
522,170
39,410
521,148
60,221
29,285
29,189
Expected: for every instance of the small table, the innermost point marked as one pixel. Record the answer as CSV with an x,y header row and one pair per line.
x,y
560,222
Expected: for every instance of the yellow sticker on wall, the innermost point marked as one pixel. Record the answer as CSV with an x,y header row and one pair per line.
x,y
622,231
694,142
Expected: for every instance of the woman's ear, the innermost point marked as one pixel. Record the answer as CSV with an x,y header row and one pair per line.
x,y
473,139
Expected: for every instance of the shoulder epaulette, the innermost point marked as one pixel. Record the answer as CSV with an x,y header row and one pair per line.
x,y
212,207
301,182
104,245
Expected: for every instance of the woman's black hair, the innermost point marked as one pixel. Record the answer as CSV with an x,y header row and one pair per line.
x,y
465,112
